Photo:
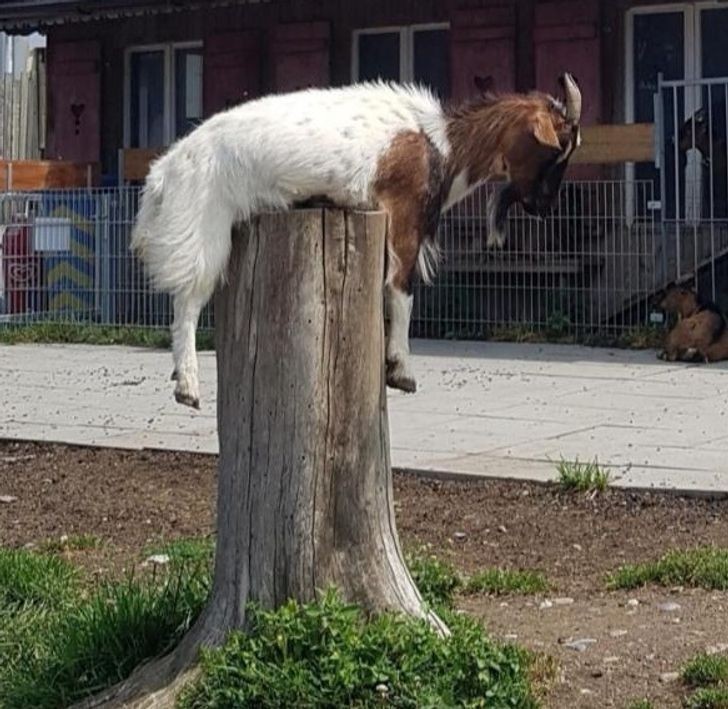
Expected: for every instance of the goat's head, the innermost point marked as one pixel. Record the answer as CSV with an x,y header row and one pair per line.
x,y
538,147
694,133
677,299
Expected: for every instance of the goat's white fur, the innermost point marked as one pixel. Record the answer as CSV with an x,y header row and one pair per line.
x,y
266,155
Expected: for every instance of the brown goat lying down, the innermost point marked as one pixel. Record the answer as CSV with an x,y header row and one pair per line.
x,y
700,333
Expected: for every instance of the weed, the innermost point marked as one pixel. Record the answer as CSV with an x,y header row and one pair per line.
x,y
582,477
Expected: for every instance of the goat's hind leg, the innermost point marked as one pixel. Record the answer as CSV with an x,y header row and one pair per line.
x,y
187,309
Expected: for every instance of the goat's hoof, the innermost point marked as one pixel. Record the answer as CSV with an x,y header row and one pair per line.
x,y
174,376
187,400
399,378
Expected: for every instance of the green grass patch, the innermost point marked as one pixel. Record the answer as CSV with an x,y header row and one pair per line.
x,y
83,333
60,642
437,580
582,477
329,654
641,704
705,670
708,698
73,542
503,581
704,567
28,579
187,550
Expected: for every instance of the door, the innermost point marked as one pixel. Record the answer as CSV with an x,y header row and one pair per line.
x,y
231,69
74,86
300,56
483,48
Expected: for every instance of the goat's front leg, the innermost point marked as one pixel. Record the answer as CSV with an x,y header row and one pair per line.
x,y
399,367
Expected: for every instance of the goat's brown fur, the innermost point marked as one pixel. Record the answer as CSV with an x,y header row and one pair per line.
x,y
700,333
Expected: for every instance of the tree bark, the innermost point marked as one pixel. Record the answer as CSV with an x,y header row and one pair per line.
x,y
304,477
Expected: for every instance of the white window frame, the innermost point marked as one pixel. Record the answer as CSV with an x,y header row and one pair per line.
x,y
406,46
170,107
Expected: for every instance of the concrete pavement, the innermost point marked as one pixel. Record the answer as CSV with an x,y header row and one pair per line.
x,y
494,409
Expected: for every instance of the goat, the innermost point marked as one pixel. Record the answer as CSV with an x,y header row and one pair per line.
x,y
705,131
379,145
700,333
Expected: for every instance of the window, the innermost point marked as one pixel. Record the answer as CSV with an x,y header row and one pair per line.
x,y
685,43
418,53
163,93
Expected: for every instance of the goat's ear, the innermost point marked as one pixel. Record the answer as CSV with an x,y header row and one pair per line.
x,y
544,132
485,84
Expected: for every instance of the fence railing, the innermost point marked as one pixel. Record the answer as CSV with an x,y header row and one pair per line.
x,y
591,267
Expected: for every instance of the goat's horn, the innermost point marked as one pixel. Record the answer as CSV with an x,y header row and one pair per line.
x,y
573,98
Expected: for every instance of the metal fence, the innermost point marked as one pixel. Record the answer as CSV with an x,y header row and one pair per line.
x,y
692,166
590,268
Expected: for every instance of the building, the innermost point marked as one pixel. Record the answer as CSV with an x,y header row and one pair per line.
x,y
138,73
127,77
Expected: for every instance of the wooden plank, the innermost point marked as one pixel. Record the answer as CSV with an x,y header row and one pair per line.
x,y
45,174
614,144
135,162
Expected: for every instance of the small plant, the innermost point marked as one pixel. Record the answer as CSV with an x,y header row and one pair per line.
x,y
704,567
74,542
437,580
329,655
504,581
708,698
705,669
582,477
641,704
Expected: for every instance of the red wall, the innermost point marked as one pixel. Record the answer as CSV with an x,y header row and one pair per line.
x,y
261,47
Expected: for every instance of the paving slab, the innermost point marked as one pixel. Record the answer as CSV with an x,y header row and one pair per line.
x,y
482,409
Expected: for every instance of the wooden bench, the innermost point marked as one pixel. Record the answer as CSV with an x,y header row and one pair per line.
x,y
25,175
134,163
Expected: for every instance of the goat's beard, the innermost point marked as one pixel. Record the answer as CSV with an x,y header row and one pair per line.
x,y
500,201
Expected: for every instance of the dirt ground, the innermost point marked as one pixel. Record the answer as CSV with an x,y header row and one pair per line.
x,y
132,499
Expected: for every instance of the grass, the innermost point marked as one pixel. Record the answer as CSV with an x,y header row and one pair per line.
x,y
582,477
88,333
707,675
73,542
83,333
641,704
329,654
186,550
703,567
61,641
503,581
706,670
708,698
438,580
35,580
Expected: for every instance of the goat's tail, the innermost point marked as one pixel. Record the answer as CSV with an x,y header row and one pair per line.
x,y
182,230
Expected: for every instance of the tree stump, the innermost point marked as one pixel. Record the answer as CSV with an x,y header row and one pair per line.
x,y
304,476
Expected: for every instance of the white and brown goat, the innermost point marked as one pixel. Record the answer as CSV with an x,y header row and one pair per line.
x,y
370,145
